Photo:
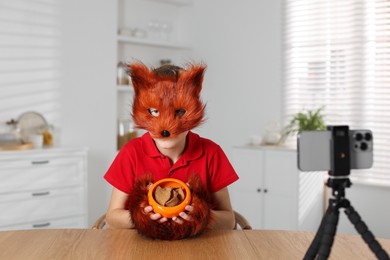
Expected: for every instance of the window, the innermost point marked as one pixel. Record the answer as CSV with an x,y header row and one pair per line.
x,y
337,55
29,58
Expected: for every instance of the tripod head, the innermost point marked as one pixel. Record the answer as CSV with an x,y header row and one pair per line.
x,y
338,186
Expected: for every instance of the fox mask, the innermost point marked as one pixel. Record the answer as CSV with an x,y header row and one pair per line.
x,y
167,99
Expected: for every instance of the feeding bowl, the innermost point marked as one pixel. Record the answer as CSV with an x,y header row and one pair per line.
x,y
167,211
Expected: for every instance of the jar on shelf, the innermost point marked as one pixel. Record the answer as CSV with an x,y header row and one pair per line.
x,y
51,136
122,77
126,132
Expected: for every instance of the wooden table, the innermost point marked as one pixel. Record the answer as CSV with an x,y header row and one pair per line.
x,y
127,244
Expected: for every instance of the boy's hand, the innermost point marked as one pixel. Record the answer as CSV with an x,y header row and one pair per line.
x,y
154,216
149,210
184,216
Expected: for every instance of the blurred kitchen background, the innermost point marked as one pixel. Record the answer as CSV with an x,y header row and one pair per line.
x,y
63,61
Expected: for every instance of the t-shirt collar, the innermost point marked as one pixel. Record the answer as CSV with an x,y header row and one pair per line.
x,y
148,146
193,150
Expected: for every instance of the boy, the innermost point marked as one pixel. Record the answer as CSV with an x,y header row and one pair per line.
x,y
167,104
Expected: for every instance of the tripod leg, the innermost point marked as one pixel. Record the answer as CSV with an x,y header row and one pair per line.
x,y
312,251
329,233
366,234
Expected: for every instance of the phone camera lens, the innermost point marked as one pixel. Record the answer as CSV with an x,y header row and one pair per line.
x,y
368,136
363,146
358,137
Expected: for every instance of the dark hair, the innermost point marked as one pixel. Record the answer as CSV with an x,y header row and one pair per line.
x,y
168,71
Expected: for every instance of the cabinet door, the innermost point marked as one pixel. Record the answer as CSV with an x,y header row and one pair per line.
x,y
47,172
246,193
26,207
281,183
70,222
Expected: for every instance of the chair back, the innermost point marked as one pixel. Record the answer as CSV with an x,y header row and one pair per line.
x,y
241,222
100,222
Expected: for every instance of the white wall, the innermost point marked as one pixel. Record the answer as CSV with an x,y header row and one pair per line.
x,y
89,62
370,202
241,42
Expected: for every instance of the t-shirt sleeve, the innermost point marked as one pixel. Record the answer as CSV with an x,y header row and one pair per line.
x,y
222,172
120,174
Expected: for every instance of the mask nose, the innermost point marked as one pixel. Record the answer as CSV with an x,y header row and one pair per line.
x,y
165,133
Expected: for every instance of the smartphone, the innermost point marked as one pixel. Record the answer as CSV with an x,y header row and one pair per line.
x,y
314,150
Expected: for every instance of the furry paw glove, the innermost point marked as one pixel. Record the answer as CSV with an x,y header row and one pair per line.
x,y
170,230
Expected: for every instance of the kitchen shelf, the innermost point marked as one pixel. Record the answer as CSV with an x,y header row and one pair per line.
x,y
148,42
153,45
125,88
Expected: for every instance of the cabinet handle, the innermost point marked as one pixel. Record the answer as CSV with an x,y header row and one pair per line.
x,y
40,162
36,194
258,190
265,190
41,225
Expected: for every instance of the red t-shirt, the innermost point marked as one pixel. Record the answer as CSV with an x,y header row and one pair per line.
x,y
202,156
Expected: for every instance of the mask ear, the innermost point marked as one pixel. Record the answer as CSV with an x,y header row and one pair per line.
x,y
193,77
140,75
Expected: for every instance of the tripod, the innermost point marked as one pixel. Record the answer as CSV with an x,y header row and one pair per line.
x,y
323,240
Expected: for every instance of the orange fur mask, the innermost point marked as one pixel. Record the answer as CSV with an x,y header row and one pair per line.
x,y
167,99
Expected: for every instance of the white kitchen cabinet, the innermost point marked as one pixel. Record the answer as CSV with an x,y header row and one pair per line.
x,y
43,188
272,193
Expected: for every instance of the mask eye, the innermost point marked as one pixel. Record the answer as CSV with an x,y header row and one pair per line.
x,y
154,112
179,113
